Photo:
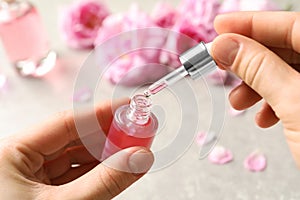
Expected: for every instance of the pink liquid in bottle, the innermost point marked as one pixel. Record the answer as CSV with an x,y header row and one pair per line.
x,y
133,125
24,38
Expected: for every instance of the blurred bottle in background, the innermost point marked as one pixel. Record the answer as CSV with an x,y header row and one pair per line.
x,y
24,38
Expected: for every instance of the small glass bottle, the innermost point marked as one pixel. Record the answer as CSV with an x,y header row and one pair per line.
x,y
133,125
24,38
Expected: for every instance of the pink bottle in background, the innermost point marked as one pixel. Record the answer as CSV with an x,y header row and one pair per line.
x,y
24,38
133,125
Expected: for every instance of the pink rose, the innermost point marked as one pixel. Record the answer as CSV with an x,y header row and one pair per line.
x,y
134,68
169,59
190,35
111,26
122,22
80,22
196,21
201,13
164,15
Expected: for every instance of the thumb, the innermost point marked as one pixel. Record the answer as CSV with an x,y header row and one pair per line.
x,y
268,75
258,67
111,177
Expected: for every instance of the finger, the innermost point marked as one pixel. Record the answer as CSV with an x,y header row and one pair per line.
x,y
261,27
259,68
51,136
109,178
288,55
90,142
266,117
76,155
73,174
243,97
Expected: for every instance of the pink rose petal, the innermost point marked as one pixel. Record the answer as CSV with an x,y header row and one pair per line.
x,y
219,155
234,113
204,138
255,162
83,95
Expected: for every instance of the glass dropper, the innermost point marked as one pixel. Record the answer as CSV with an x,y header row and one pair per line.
x,y
196,62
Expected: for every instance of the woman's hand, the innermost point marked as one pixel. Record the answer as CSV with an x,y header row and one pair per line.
x,y
50,162
263,49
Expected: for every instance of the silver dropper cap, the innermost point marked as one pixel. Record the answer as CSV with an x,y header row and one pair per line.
x,y
197,61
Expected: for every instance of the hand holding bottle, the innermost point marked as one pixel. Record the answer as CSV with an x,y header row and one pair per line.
x,y
39,164
263,49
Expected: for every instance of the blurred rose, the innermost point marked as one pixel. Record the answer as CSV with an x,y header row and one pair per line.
x,y
80,22
122,22
196,21
170,59
190,35
133,68
164,15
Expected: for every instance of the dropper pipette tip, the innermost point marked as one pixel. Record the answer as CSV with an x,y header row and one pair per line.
x,y
147,93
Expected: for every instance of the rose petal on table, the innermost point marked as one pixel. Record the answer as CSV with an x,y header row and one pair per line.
x,y
255,162
220,155
82,95
204,138
234,113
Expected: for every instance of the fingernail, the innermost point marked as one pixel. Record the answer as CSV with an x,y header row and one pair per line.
x,y
225,52
140,161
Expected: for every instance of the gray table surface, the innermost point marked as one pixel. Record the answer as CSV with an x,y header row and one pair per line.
x,y
28,101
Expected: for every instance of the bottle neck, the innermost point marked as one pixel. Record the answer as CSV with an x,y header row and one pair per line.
x,y
139,110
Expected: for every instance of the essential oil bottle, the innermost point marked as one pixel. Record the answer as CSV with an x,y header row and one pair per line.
x,y
133,125
24,38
